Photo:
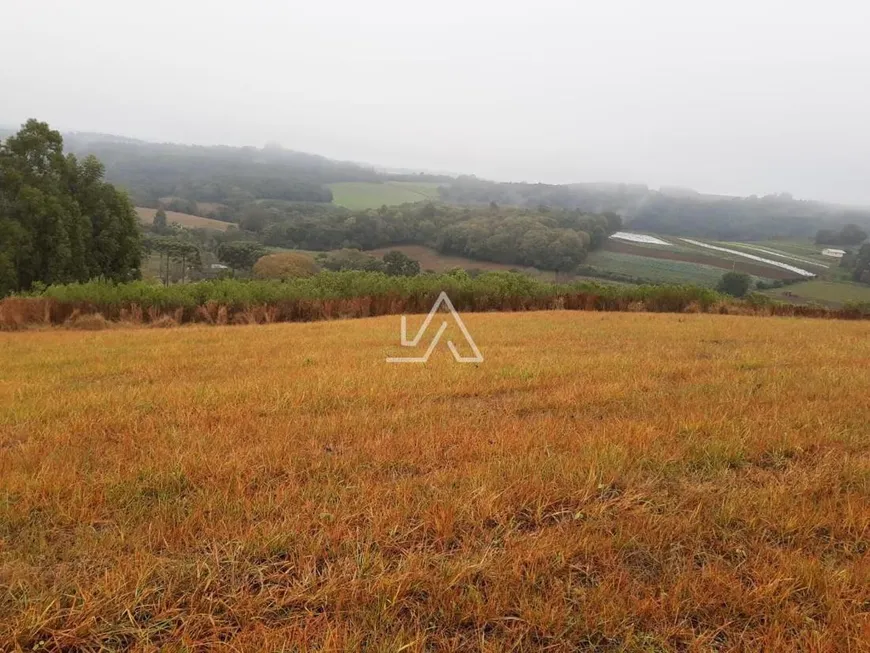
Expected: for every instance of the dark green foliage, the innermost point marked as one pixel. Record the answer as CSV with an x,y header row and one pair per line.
x,y
399,264
257,217
240,255
548,239
848,260
851,234
173,248
181,205
350,259
160,225
777,283
364,294
735,284
59,221
861,271
488,291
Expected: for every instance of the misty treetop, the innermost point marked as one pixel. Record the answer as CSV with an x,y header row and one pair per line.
x,y
678,212
59,221
850,234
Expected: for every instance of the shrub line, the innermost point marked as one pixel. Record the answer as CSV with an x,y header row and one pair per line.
x,y
354,294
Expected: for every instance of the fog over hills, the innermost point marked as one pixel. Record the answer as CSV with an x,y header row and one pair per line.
x,y
735,98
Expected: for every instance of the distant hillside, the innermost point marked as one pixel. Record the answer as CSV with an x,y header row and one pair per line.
x,y
681,213
215,174
226,182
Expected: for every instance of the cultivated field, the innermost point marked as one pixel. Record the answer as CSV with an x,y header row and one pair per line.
x,y
832,293
801,248
431,259
603,481
365,195
656,270
699,263
146,216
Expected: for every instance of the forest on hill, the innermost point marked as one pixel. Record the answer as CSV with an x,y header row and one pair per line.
x,y
224,182
232,175
672,212
61,222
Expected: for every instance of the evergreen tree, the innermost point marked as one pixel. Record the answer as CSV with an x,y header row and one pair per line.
x,y
735,284
59,221
160,224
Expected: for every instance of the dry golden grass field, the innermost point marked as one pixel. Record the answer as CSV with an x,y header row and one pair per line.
x,y
602,481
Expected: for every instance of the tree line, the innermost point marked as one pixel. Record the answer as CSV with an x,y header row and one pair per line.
x,y
549,239
850,234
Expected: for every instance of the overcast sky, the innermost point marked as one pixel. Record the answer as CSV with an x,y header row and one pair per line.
x,y
736,96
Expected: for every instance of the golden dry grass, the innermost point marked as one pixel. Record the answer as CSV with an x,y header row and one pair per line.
x,y
603,481
146,216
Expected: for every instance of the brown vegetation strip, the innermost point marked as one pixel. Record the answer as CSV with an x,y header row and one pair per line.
x,y
21,313
757,269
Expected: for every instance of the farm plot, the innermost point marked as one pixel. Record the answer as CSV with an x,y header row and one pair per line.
x,y
753,257
649,265
830,293
146,216
691,255
366,195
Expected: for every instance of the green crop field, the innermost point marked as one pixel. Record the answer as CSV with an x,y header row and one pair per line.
x,y
365,195
655,269
827,292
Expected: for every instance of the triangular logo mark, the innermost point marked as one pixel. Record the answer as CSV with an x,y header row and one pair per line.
x,y
413,342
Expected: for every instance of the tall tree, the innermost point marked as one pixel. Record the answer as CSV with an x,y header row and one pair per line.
x,y
160,223
735,284
241,255
862,265
399,264
59,221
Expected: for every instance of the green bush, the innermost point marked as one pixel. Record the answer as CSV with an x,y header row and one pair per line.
x,y
487,290
736,284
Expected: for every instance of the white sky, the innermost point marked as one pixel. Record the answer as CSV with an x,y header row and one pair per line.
x,y
737,96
